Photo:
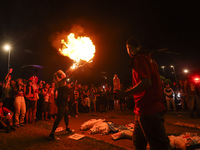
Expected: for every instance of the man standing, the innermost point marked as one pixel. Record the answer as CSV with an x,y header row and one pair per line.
x,y
116,89
169,97
62,102
149,108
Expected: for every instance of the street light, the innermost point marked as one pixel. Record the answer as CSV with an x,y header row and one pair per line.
x,y
185,71
7,48
175,74
163,68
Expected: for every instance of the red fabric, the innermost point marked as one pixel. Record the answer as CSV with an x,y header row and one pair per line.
x,y
150,100
4,111
34,77
19,93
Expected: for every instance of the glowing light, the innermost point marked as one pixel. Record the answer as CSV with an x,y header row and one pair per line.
x,y
7,47
186,71
163,67
80,48
196,79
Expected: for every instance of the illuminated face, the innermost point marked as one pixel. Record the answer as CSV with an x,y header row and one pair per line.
x,y
20,82
47,85
30,83
132,50
53,85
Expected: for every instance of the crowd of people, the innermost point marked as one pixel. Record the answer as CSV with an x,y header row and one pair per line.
x,y
183,96
31,100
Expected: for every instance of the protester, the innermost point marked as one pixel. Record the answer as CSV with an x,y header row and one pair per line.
x,y
149,108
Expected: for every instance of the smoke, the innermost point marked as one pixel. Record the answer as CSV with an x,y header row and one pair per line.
x,y
56,37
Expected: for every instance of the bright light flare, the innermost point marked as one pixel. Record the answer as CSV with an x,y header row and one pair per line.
x,y
196,79
7,47
80,48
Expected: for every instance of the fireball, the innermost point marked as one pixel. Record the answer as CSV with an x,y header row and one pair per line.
x,y
77,49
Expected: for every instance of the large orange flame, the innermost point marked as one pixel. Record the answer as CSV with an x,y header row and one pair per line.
x,y
77,49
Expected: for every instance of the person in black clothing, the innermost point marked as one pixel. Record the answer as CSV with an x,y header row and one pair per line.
x,y
61,101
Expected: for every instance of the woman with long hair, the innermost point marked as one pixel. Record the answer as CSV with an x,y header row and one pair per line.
x,y
19,103
29,98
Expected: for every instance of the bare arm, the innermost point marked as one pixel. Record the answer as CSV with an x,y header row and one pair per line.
x,y
7,76
141,86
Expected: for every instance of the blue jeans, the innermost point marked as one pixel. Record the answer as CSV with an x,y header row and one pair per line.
x,y
150,129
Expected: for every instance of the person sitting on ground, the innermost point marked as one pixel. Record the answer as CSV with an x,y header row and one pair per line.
x,y
6,121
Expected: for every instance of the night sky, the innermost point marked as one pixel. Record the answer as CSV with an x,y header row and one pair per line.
x,y
31,27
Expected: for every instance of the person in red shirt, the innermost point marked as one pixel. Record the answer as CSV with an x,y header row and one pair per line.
x,y
6,120
147,91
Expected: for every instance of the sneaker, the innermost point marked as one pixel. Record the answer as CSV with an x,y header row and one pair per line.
x,y
53,137
69,130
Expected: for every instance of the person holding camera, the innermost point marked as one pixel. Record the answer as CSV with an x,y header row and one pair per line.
x,y
6,121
